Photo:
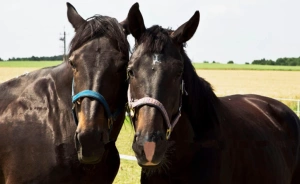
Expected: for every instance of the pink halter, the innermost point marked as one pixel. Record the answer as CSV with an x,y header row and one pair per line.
x,y
132,103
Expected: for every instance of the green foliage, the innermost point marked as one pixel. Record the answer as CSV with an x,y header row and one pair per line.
x,y
34,58
1,59
218,66
280,62
230,62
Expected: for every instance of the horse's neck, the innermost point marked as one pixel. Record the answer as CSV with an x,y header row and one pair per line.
x,y
200,104
62,75
183,131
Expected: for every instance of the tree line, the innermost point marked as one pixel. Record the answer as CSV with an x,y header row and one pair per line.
x,y
35,58
280,61
292,61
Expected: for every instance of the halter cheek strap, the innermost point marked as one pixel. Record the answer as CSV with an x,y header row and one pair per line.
x,y
153,102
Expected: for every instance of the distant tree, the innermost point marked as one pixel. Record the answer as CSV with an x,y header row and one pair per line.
x,y
270,62
263,62
1,59
281,61
247,63
213,62
230,62
205,61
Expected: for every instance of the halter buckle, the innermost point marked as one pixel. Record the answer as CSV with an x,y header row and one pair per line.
x,y
168,133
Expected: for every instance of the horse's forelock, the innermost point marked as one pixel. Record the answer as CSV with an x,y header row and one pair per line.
x,y
98,26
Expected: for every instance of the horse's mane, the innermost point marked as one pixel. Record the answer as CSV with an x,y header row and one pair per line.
x,y
201,102
98,26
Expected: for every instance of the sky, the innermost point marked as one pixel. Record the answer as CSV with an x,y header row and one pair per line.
x,y
237,30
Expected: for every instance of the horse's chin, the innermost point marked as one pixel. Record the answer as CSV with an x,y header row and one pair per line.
x,y
158,164
89,160
93,159
150,165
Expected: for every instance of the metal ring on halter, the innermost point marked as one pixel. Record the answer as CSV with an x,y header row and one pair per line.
x,y
168,133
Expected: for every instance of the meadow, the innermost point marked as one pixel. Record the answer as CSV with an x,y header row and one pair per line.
x,y
206,66
28,64
218,66
226,79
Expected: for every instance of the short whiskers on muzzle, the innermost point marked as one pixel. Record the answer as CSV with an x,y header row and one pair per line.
x,y
165,164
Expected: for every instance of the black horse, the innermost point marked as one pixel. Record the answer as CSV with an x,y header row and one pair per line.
x,y
37,126
233,139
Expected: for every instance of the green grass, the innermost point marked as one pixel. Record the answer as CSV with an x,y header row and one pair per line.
x,y
202,66
129,171
29,64
125,138
217,66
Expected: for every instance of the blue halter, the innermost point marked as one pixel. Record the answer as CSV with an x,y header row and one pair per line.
x,y
97,96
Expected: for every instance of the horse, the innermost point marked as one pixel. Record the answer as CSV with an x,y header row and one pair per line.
x,y
184,133
59,124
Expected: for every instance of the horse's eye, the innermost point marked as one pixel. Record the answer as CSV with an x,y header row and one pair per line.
x,y
71,63
130,73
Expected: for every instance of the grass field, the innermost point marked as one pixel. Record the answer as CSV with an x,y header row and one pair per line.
x,y
278,84
28,64
201,66
129,171
216,66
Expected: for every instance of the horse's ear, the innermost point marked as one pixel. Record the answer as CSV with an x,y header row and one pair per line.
x,y
186,30
134,23
74,18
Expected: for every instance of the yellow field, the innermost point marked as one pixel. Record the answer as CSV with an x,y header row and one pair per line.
x,y
277,84
8,73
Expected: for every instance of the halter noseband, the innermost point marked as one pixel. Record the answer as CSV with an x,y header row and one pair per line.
x,y
132,103
97,96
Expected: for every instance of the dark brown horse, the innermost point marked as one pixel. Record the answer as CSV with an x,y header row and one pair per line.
x,y
37,126
234,139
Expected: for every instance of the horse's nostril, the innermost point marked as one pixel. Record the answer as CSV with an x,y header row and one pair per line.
x,y
143,153
77,143
161,137
135,139
157,136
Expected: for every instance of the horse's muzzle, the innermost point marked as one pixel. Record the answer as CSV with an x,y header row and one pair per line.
x,y
149,151
89,151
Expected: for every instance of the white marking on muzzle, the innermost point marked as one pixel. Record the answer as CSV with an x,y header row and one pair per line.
x,y
149,149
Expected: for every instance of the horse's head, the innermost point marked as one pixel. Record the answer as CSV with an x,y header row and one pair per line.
x,y
98,57
156,84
